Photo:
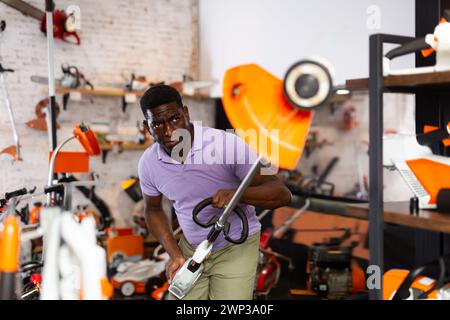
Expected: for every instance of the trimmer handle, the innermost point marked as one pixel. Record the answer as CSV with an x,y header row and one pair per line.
x,y
15,193
409,47
226,229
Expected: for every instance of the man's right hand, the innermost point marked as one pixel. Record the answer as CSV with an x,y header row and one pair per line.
x,y
172,267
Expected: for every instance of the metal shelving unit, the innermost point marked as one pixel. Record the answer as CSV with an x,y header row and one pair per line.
x,y
377,85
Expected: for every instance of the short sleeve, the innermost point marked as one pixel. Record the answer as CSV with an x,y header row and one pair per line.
x,y
145,178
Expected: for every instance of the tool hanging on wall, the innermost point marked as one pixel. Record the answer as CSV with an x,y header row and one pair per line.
x,y
72,78
41,109
13,150
65,24
281,111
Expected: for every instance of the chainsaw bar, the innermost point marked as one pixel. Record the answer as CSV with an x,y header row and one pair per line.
x,y
25,8
44,80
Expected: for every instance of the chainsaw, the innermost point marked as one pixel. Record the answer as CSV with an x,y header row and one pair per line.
x,y
64,24
72,78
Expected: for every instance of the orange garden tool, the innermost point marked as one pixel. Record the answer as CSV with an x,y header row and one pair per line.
x,y
41,109
401,284
437,42
279,111
87,139
9,256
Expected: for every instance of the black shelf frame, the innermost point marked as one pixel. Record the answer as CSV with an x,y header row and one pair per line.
x,y
376,92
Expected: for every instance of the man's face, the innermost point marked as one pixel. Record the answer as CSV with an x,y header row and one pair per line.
x,y
163,120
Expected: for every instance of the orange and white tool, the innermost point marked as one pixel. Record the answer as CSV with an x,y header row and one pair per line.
x,y
74,265
393,278
425,176
438,42
279,113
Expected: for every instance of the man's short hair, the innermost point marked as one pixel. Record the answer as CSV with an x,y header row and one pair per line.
x,y
159,95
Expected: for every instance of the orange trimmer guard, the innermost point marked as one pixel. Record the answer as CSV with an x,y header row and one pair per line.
x,y
253,99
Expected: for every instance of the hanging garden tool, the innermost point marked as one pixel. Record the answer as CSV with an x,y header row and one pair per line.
x,y
71,78
13,150
64,24
280,111
42,107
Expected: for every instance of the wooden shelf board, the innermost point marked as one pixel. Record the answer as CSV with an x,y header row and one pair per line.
x,y
101,92
398,213
125,146
433,79
116,92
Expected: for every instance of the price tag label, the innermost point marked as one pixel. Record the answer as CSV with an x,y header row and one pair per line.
x,y
75,96
130,98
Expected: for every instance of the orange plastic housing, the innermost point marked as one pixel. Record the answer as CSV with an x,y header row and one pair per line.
x,y
88,140
393,278
75,162
126,246
432,175
254,99
9,245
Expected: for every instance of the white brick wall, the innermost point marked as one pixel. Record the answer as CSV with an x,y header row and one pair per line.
x,y
156,38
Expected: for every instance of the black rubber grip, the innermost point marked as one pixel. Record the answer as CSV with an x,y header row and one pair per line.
x,y
49,5
54,188
425,270
15,193
244,233
31,265
407,48
199,207
443,201
429,138
240,213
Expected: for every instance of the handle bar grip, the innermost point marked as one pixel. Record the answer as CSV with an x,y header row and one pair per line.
x,y
199,207
409,47
240,213
244,234
15,193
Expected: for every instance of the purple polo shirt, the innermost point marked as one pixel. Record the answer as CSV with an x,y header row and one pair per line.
x,y
217,160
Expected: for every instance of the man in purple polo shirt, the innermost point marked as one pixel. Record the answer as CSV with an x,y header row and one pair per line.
x,y
188,164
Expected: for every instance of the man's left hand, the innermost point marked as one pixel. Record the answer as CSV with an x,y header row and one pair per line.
x,y
222,198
